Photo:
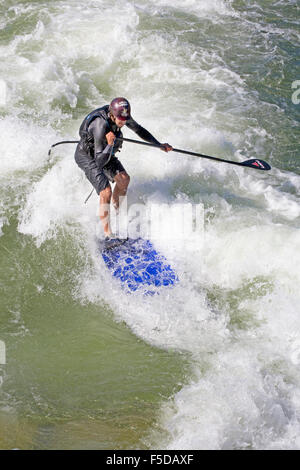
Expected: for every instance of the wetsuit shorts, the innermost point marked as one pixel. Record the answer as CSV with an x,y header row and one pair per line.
x,y
99,178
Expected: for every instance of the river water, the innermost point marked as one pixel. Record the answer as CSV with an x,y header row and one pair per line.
x,y
213,363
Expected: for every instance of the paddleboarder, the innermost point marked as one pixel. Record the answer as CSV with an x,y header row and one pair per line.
x,y
96,153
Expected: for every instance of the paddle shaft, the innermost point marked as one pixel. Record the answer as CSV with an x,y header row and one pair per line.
x,y
253,163
194,154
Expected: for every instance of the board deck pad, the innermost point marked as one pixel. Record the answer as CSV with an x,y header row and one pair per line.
x,y
139,266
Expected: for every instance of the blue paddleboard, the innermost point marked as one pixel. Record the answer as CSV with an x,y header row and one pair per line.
x,y
138,265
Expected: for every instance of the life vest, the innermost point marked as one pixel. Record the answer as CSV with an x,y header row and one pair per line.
x,y
87,138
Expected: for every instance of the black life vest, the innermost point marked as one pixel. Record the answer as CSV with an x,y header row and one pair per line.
x,y
87,138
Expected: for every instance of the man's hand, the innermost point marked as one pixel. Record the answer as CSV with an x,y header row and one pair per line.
x,y
166,147
110,137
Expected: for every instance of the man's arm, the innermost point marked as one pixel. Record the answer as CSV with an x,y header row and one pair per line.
x,y
102,150
141,132
145,135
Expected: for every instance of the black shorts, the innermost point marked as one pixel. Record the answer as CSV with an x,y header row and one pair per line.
x,y
98,178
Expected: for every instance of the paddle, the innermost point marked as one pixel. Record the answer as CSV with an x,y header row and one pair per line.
x,y
252,163
62,142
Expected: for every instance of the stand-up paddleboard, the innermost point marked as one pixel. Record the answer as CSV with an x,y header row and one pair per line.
x,y
139,266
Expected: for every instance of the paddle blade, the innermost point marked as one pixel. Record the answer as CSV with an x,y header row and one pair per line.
x,y
257,164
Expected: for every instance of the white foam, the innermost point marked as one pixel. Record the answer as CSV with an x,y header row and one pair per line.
x,y
24,146
53,203
244,390
3,93
241,401
280,194
199,7
3,221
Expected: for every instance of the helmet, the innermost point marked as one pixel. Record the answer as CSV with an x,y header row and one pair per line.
x,y
120,108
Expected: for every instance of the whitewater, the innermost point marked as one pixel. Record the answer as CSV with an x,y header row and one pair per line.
x,y
217,356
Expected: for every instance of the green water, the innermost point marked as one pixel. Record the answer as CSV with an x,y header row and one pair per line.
x,y
87,368
74,377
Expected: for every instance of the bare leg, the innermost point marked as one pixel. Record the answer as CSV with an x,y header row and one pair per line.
x,y
122,181
104,213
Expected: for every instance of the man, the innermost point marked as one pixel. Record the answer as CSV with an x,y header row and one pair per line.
x,y
96,153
